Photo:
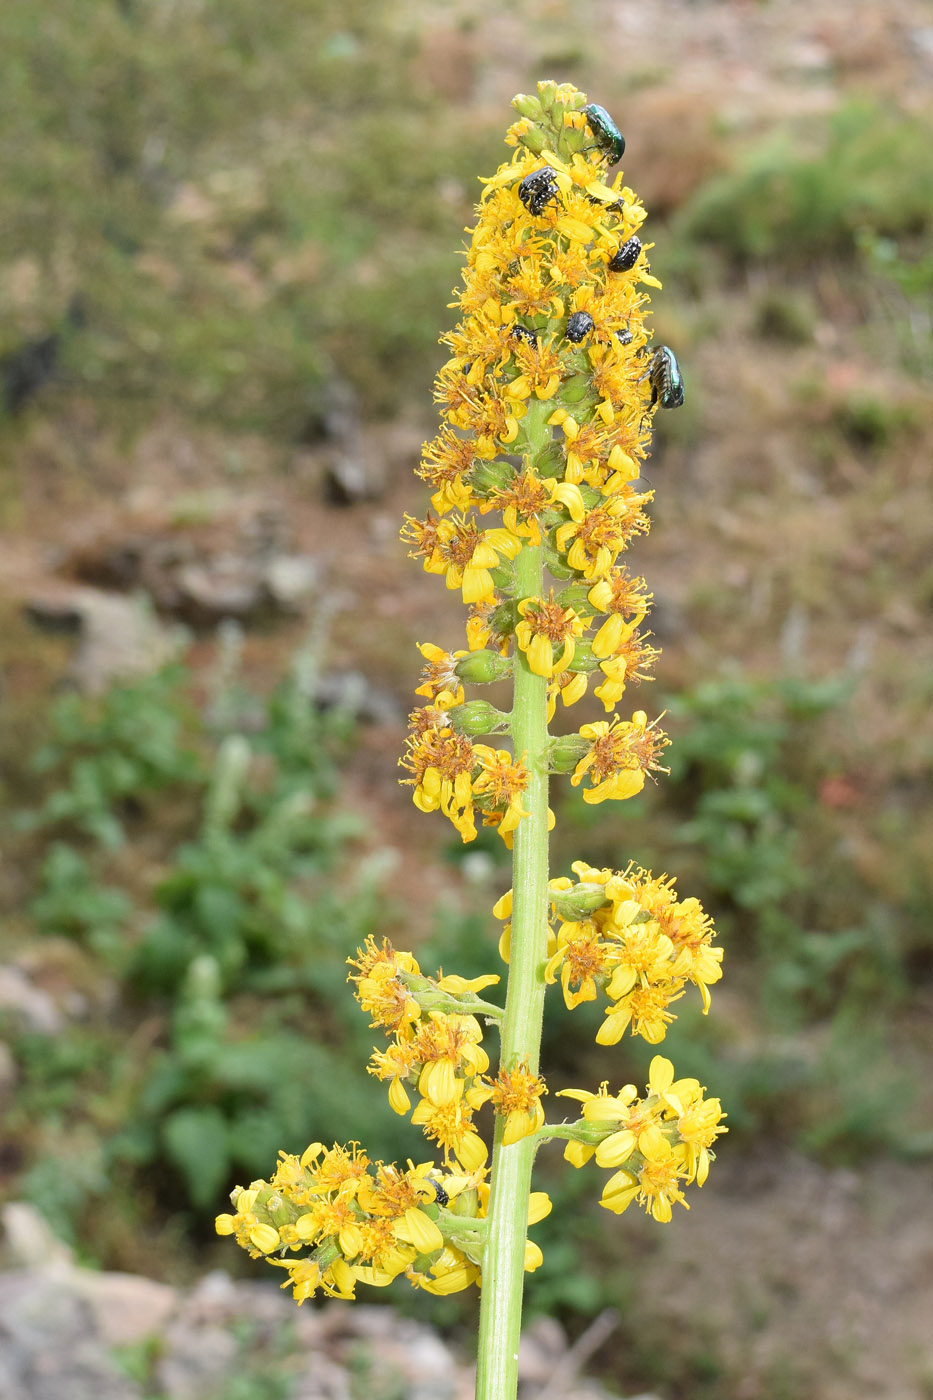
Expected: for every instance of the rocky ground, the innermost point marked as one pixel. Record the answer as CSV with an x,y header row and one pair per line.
x,y
68,1333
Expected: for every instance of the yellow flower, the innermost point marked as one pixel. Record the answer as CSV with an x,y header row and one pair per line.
x,y
498,787
379,989
451,1126
546,625
620,756
515,1095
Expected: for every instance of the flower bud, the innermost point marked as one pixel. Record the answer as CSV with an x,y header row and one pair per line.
x,y
503,619
528,106
576,389
424,1262
583,658
483,667
487,477
579,902
557,564
576,597
549,461
567,751
477,717
535,140
466,1203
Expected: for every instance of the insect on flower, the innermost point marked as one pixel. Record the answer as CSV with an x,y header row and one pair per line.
x,y
625,257
579,326
665,378
538,190
609,138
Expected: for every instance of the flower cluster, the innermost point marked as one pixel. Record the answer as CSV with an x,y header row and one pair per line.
x,y
656,1143
360,1222
640,947
547,401
552,340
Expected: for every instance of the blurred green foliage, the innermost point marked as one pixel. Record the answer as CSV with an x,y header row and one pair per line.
x,y
222,206
219,1028
820,954
109,758
788,203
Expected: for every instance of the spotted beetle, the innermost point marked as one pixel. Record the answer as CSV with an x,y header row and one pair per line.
x,y
539,189
524,334
626,256
579,325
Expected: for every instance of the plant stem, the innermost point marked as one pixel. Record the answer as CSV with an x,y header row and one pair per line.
x,y
504,1255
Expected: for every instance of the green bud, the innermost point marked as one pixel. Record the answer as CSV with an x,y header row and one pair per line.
x,y
557,564
477,717
579,902
590,1133
491,476
423,1262
535,140
503,619
576,389
546,92
483,667
583,658
266,1201
487,477
575,597
280,1211
527,106
566,751
549,461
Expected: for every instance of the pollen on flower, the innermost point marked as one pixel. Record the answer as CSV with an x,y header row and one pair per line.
x,y
379,988
547,634
621,754
515,1095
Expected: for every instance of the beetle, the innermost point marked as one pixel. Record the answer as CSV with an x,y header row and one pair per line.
x,y
539,189
440,1195
665,378
609,138
626,256
579,325
624,337
524,334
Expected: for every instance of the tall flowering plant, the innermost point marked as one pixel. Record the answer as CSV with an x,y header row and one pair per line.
x,y
547,404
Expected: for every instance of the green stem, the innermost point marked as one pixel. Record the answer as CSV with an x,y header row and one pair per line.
x,y
504,1254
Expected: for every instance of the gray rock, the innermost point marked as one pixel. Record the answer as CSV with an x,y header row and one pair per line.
x,y
28,1005
290,581
118,636
195,1361
227,586
124,1307
31,1242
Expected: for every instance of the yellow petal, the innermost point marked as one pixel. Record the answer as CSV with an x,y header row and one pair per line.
x,y
265,1238
417,1229
539,1205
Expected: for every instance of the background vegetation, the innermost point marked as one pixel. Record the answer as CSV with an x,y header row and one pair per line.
x,y
222,220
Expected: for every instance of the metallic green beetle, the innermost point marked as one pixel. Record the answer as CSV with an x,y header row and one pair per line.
x,y
609,138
